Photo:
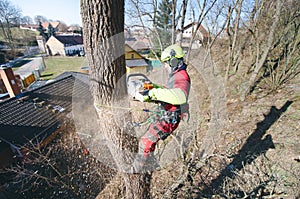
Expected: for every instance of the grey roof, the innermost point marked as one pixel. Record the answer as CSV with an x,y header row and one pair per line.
x,y
36,114
79,76
70,39
138,45
136,63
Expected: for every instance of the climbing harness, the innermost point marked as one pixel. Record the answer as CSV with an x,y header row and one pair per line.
x,y
158,114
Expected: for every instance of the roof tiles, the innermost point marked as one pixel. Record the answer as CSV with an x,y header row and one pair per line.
x,y
37,113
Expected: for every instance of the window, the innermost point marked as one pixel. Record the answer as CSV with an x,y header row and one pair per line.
x,y
132,56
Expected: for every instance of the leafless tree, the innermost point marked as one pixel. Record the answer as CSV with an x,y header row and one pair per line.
x,y
183,17
62,27
282,64
233,34
26,20
147,12
146,17
40,18
270,42
9,17
202,8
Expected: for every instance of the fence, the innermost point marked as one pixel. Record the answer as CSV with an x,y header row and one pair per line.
x,y
31,71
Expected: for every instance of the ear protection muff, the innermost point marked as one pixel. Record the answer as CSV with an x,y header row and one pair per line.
x,y
173,62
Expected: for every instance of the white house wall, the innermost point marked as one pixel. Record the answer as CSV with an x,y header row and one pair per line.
x,y
71,49
55,46
188,33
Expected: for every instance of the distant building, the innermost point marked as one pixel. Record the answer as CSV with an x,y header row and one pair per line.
x,y
54,24
65,45
34,27
74,29
186,35
135,63
141,46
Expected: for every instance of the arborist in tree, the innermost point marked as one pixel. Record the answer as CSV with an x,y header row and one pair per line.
x,y
172,101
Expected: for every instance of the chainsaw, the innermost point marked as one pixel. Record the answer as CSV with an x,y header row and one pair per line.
x,y
138,84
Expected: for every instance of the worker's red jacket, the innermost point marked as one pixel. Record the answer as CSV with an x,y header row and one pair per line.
x,y
174,97
177,89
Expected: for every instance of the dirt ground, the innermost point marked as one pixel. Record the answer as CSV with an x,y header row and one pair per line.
x,y
239,149
257,153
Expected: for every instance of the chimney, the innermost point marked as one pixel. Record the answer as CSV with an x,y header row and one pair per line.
x,y
9,80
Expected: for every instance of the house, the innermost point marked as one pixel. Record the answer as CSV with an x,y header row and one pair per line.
x,y
32,27
135,63
65,45
74,28
35,27
54,24
34,117
141,46
184,36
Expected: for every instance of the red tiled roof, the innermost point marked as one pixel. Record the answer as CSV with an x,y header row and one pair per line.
x,y
53,23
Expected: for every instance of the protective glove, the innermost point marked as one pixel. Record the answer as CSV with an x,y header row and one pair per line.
x,y
157,86
150,97
147,96
138,96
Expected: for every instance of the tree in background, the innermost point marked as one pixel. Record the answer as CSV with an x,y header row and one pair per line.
x,y
51,30
42,30
262,38
62,27
164,23
9,17
26,20
75,29
158,19
40,18
277,57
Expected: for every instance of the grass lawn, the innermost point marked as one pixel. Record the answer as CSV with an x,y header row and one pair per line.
x,y
57,65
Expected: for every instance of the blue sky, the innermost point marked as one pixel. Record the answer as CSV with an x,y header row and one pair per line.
x,y
67,11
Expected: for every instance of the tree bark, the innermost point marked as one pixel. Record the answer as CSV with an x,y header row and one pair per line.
x,y
184,7
103,33
233,38
174,3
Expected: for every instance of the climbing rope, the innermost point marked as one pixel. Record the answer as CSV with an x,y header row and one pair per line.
x,y
155,115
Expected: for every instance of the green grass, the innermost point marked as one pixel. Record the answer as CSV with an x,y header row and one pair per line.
x,y
57,65
20,36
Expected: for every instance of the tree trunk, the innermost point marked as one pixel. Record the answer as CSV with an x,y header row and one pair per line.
x,y
234,54
184,7
174,2
228,31
103,33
